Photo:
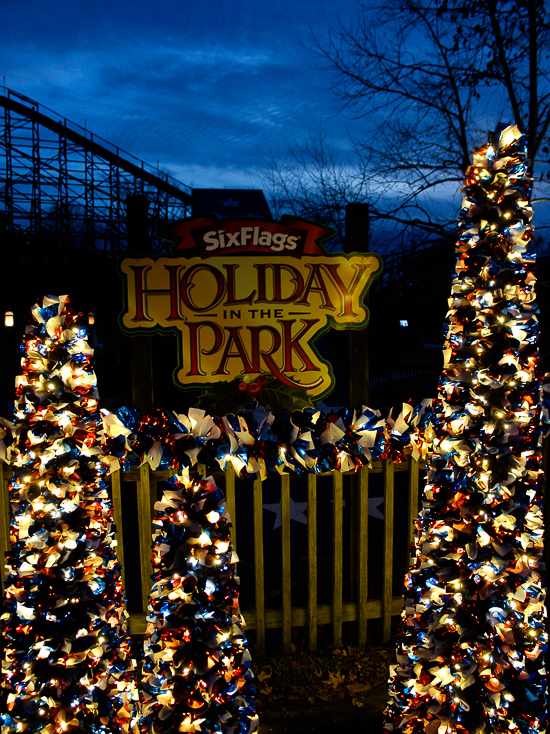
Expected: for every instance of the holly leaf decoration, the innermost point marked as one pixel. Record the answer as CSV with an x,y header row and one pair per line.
x,y
277,396
223,398
241,393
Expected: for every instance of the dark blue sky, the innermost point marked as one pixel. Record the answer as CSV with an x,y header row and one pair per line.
x,y
205,88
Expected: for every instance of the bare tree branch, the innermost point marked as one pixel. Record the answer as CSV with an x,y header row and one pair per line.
x,y
427,78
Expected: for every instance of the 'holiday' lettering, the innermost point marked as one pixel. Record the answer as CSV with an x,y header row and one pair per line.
x,y
249,315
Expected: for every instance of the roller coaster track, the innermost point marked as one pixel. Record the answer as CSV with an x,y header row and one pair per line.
x,y
59,179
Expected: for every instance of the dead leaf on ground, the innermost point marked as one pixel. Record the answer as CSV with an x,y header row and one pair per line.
x,y
335,679
338,651
331,695
263,675
358,688
325,696
357,702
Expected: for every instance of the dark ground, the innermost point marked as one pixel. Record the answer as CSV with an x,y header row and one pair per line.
x,y
333,690
328,718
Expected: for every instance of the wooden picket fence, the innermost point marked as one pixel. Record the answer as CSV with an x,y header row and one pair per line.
x,y
143,487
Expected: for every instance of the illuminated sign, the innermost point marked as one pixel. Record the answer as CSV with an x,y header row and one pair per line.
x,y
248,297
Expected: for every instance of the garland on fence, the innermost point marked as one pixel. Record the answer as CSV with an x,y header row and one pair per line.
x,y
471,649
196,675
258,441
269,443
265,442
66,659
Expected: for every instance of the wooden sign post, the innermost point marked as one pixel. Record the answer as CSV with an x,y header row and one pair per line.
x,y
137,228
357,240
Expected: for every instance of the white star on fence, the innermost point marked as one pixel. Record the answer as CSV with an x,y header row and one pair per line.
x,y
374,504
298,510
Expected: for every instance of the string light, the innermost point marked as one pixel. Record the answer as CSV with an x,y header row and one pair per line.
x,y
195,642
66,658
482,671
260,443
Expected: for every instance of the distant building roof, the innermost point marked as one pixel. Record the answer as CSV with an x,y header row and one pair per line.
x,y
230,203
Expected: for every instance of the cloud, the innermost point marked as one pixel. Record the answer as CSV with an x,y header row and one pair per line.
x,y
209,176
203,87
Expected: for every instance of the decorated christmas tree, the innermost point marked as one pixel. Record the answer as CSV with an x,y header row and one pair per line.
x,y
196,674
471,647
66,660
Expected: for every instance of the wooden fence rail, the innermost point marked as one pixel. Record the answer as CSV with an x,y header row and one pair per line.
x,y
354,549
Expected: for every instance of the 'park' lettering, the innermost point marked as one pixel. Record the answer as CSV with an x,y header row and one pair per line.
x,y
249,315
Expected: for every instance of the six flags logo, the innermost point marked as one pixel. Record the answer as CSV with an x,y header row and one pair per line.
x,y
248,297
245,237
